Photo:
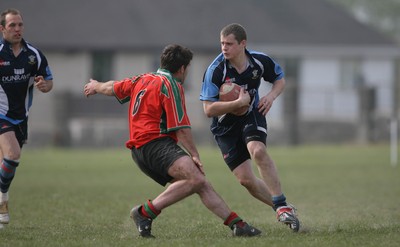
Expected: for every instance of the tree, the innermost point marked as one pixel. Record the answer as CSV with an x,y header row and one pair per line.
x,y
383,15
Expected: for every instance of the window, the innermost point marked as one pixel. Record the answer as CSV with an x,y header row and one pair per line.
x,y
350,74
102,64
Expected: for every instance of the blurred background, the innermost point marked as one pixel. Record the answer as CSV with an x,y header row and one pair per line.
x,y
341,59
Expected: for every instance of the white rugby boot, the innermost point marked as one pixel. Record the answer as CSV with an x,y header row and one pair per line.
x,y
4,216
287,215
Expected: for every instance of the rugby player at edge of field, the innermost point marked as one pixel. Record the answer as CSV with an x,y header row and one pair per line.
x,y
22,67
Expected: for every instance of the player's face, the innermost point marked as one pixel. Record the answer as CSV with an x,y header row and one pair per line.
x,y
13,29
230,47
184,72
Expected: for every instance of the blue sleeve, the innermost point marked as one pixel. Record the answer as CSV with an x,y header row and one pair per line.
x,y
273,72
212,80
209,91
279,72
44,68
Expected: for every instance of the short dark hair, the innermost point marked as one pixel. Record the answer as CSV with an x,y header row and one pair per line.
x,y
6,12
237,30
174,56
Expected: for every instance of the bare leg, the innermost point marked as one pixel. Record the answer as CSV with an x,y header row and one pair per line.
x,y
9,146
214,202
10,150
266,167
189,180
253,184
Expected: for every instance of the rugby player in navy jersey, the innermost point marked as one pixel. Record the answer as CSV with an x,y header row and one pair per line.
x,y
22,67
239,127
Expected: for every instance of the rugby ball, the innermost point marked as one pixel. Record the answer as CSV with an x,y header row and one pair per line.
x,y
229,91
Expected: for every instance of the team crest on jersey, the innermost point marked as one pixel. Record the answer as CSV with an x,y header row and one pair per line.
x,y
255,74
32,59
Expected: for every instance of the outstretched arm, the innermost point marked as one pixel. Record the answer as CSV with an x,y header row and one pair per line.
x,y
94,87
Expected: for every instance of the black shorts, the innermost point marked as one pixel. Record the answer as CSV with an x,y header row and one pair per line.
x,y
20,130
233,144
156,157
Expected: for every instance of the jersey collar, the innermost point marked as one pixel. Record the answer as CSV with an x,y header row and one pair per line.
x,y
167,73
164,72
249,58
8,44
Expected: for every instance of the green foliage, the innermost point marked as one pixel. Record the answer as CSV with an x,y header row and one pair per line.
x,y
346,196
383,15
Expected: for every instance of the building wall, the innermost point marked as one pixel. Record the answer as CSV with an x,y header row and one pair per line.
x,y
380,73
128,64
70,71
324,96
321,97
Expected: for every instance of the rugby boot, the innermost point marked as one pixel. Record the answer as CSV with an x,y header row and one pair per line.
x,y
242,229
287,215
4,216
143,224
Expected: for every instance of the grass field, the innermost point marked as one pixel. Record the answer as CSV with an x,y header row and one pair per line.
x,y
345,195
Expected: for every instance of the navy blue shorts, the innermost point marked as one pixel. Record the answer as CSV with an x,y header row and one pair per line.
x,y
233,143
156,157
20,130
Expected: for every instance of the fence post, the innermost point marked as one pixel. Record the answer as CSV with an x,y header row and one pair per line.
x,y
394,122
366,122
62,116
291,112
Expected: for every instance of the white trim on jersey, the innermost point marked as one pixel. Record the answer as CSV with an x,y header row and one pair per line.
x,y
37,55
3,103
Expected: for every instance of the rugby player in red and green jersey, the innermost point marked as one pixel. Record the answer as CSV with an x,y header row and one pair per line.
x,y
157,122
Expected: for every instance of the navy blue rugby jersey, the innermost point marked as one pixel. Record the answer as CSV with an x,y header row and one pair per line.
x,y
17,79
220,71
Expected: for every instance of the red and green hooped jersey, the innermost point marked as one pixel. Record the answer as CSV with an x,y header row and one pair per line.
x,y
156,106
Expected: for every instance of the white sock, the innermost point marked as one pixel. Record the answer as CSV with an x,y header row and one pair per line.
x,y
3,196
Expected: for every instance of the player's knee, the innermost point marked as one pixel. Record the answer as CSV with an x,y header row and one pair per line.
x,y
258,153
198,182
246,182
13,155
205,187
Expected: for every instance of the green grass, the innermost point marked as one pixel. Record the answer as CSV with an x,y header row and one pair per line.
x,y
345,195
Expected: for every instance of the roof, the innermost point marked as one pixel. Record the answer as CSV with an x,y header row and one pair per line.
x,y
147,24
